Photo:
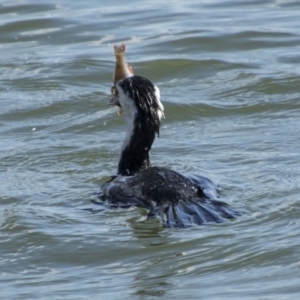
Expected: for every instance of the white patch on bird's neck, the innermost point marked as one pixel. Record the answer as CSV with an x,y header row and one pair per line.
x,y
161,107
129,112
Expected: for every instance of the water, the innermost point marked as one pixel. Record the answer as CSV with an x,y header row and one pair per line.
x,y
229,74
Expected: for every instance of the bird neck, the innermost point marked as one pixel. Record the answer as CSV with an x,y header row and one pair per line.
x,y
136,147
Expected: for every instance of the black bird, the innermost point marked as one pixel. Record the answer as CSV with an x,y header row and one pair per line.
x,y
180,200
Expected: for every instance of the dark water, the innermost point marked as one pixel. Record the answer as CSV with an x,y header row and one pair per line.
x,y
229,75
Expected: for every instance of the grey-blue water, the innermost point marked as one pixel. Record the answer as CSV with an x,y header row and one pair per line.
x,y
229,76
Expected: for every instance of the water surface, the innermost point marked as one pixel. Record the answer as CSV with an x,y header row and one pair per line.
x,y
229,75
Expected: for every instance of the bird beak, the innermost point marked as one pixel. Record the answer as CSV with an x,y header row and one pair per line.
x,y
115,97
